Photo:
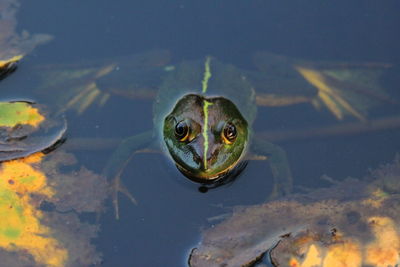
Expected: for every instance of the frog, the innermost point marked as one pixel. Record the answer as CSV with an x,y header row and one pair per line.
x,y
203,115
347,90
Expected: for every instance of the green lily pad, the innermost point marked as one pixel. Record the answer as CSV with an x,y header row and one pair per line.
x,y
14,113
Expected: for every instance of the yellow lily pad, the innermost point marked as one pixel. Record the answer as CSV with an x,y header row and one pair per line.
x,y
35,236
5,63
337,250
20,227
8,66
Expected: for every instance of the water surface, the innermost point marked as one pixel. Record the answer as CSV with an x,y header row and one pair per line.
x,y
167,222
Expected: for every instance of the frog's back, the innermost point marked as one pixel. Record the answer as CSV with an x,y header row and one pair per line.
x,y
194,77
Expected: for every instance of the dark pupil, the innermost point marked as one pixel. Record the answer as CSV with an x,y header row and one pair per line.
x,y
230,132
181,129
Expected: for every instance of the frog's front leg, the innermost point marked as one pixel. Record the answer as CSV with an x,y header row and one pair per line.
x,y
118,161
278,163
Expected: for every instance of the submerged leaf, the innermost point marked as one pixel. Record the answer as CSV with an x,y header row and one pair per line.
x,y
273,100
80,86
328,94
344,88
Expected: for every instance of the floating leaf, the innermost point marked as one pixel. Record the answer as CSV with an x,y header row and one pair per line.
x,y
81,190
327,250
13,113
4,63
13,44
25,130
20,227
41,237
384,250
354,223
8,66
309,249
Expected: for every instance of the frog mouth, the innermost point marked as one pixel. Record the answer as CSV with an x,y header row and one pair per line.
x,y
223,177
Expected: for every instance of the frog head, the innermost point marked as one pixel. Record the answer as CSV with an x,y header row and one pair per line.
x,y
206,137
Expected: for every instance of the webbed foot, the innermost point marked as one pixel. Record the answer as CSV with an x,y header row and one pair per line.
x,y
116,187
119,160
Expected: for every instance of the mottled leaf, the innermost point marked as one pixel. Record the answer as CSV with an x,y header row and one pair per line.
x,y
14,113
24,129
20,227
12,43
35,236
81,190
354,223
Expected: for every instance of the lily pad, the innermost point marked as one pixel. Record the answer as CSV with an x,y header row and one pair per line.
x,y
25,129
20,227
33,235
13,113
12,43
8,66
81,190
353,223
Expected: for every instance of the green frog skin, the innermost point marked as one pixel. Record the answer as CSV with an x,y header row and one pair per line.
x,y
206,137
202,117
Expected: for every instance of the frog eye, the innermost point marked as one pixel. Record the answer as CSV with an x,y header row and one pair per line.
x,y
229,133
182,131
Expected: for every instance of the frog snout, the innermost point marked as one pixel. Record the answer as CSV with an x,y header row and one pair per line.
x,y
205,153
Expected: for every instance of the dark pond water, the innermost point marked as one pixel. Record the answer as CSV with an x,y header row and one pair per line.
x,y
167,222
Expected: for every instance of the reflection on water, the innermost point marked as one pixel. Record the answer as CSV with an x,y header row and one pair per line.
x,y
106,95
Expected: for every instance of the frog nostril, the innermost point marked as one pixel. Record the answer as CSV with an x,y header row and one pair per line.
x,y
197,158
212,157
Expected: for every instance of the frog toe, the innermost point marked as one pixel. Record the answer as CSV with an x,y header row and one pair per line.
x,y
118,187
